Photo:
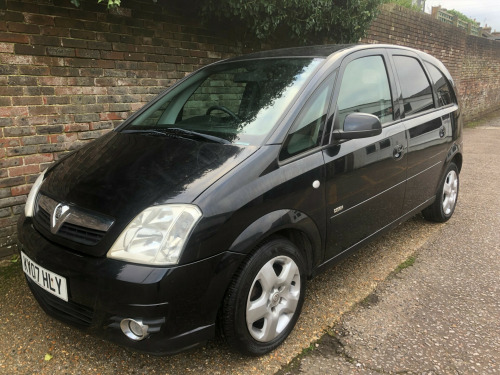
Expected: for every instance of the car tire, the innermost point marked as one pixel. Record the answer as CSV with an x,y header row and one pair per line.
x,y
446,198
265,298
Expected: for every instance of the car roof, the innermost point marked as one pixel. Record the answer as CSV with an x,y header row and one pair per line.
x,y
321,51
307,51
327,50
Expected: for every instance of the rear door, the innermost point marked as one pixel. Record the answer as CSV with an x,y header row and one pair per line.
x,y
365,178
428,128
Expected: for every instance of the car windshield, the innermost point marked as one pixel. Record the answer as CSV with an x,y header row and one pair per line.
x,y
233,102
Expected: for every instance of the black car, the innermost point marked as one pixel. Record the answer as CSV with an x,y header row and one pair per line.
x,y
210,207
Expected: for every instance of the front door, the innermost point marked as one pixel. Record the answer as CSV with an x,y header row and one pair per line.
x,y
365,178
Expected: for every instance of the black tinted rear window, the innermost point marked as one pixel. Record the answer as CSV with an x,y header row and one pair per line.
x,y
417,92
441,85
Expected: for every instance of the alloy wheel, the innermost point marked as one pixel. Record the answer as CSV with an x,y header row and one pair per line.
x,y
273,298
450,191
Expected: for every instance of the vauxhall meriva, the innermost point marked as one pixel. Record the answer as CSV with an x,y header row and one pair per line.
x,y
212,205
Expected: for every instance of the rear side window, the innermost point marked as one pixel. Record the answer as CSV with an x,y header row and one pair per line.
x,y
417,92
441,85
365,88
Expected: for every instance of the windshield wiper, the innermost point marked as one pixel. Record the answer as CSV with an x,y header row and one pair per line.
x,y
179,132
196,134
144,131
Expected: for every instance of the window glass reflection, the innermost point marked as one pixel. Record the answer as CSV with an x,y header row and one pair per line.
x,y
239,102
441,85
307,131
417,92
365,88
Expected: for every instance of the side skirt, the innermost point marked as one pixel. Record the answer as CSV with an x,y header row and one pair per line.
x,y
332,261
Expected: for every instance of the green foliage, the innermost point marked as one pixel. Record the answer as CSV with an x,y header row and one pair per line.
x,y
111,3
9,273
407,263
340,21
298,21
461,16
404,3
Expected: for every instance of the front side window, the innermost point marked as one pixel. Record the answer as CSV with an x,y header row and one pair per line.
x,y
441,85
234,102
365,89
417,92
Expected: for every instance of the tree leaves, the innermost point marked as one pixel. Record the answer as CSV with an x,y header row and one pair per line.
x,y
304,21
111,3
299,21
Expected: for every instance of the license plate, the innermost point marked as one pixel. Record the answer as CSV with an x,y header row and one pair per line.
x,y
47,280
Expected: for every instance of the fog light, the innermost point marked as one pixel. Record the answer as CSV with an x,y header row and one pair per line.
x,y
134,329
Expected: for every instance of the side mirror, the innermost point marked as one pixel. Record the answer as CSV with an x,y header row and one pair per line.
x,y
359,125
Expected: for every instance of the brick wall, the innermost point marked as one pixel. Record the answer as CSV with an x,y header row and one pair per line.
x,y
473,62
68,75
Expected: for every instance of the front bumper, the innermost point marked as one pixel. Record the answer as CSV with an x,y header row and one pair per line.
x,y
179,303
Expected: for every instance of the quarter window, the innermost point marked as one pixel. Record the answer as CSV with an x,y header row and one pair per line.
x,y
365,88
417,92
307,131
441,85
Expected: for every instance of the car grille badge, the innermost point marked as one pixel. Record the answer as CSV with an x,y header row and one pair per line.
x,y
61,211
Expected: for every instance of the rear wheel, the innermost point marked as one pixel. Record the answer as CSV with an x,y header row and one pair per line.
x,y
446,199
264,300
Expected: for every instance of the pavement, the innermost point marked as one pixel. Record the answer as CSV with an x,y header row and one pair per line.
x,y
440,315
435,316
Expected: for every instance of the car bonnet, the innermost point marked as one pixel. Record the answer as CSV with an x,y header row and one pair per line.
x,y
119,174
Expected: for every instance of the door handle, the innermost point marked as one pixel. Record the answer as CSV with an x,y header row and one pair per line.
x,y
442,131
398,151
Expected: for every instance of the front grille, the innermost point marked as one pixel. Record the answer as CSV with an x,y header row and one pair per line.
x,y
43,218
79,234
67,311
76,233
81,227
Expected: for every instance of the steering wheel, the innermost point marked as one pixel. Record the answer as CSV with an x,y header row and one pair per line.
x,y
223,109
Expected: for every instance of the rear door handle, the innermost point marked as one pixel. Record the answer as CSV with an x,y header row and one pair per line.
x,y
398,151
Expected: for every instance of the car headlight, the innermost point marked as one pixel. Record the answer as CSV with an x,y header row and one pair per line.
x,y
157,235
29,208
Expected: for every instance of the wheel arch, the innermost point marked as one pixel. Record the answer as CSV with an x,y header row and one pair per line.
x,y
455,156
294,225
457,159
